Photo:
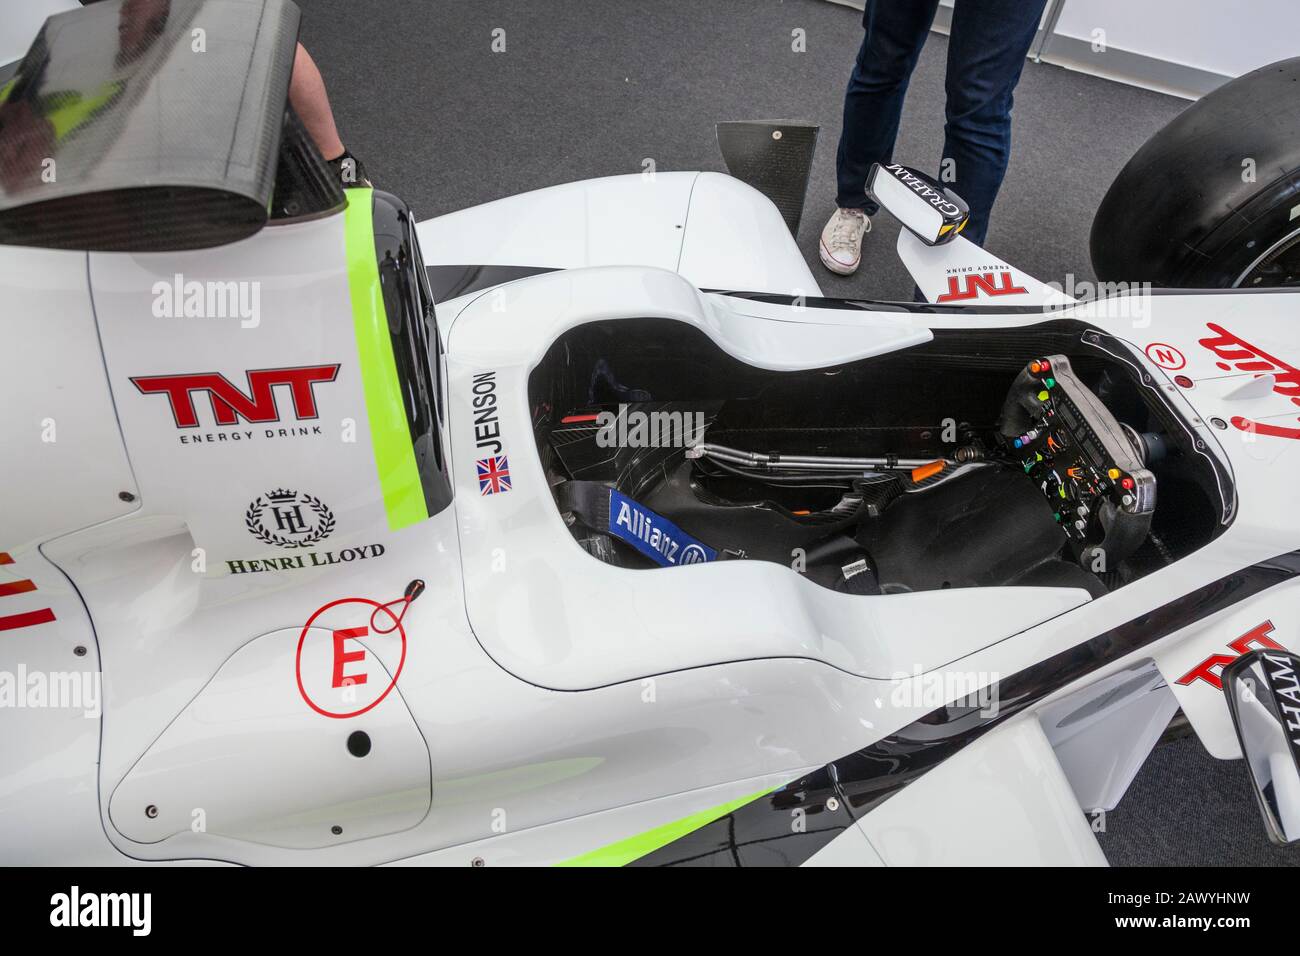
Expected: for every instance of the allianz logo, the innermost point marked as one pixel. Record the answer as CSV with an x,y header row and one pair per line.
x,y
654,429
182,298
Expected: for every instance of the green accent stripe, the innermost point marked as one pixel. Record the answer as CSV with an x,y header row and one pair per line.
x,y
68,111
390,432
635,847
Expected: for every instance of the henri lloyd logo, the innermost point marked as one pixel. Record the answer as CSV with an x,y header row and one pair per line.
x,y
229,404
289,519
292,519
494,469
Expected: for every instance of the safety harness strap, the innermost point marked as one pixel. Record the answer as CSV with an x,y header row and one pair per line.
x,y
610,511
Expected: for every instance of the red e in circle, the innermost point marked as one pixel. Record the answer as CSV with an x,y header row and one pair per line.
x,y
302,638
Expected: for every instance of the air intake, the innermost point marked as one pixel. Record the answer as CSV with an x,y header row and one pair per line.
x,y
137,127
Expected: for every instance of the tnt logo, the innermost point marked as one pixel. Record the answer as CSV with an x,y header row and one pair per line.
x,y
980,283
1205,670
229,403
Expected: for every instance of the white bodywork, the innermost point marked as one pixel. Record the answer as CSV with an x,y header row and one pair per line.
x,y
524,728
715,231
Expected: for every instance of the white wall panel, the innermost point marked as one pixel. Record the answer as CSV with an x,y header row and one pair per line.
x,y
1225,38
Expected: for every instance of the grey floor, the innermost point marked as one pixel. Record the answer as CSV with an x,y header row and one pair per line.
x,y
593,87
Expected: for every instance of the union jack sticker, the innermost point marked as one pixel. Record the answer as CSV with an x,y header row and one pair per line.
x,y
493,475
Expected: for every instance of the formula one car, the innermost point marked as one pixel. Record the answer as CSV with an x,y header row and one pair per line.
x,y
520,536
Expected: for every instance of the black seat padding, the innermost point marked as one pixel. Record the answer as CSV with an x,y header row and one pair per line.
x,y
988,527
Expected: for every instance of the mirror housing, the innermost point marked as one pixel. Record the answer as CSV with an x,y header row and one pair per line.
x,y
926,209
1262,689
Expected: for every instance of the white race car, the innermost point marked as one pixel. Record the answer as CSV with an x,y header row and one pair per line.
x,y
523,536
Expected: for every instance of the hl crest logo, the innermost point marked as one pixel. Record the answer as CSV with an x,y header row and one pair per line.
x,y
289,519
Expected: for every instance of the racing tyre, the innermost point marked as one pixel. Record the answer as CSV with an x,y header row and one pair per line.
x,y
1213,199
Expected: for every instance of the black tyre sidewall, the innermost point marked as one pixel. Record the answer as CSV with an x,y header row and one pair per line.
x,y
1243,237
1182,212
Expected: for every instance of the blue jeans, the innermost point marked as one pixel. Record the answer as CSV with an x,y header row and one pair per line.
x,y
986,52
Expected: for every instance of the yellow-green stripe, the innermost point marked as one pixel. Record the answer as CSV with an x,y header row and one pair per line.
x,y
390,433
635,847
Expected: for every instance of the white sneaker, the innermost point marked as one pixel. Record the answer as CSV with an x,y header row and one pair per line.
x,y
841,245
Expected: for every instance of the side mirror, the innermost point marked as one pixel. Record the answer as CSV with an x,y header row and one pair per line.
x,y
1263,692
926,209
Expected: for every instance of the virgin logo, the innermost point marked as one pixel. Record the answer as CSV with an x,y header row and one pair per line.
x,y
1236,355
230,403
978,283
